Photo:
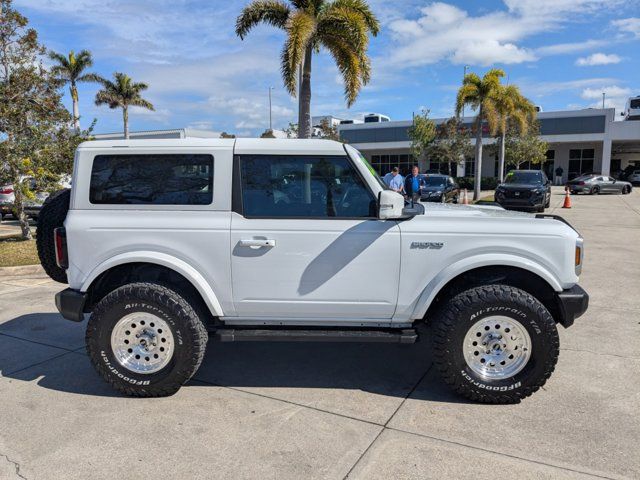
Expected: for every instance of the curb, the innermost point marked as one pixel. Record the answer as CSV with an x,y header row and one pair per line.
x,y
23,270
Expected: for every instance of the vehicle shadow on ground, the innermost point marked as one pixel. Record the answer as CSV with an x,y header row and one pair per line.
x,y
383,369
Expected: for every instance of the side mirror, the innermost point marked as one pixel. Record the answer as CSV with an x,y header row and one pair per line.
x,y
390,205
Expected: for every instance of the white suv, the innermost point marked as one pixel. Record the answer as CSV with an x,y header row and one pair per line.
x,y
164,241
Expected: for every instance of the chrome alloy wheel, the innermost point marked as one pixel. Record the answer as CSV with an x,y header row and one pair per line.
x,y
497,347
142,343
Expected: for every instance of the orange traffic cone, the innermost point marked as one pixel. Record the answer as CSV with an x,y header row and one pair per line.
x,y
567,199
465,199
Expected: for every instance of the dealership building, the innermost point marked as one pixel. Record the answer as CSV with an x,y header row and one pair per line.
x,y
579,141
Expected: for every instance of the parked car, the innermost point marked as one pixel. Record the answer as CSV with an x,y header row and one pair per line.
x,y
220,246
439,188
6,200
31,207
524,190
595,184
634,178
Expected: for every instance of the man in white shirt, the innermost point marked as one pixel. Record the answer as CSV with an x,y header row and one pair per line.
x,y
394,180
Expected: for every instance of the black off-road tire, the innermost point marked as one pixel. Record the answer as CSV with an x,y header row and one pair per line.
x,y
189,333
51,216
459,314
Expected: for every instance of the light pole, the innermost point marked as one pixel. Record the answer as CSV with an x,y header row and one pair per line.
x,y
270,111
604,96
463,77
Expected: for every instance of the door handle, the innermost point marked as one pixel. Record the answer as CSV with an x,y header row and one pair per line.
x,y
258,243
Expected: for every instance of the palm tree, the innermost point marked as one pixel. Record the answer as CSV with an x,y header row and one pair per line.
x,y
480,94
70,69
123,93
513,108
340,26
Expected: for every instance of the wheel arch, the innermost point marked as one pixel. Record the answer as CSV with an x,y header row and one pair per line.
x,y
149,266
520,273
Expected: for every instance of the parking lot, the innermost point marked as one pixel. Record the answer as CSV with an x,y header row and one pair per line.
x,y
279,410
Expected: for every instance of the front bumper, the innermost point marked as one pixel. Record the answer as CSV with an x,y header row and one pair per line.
x,y
572,303
70,303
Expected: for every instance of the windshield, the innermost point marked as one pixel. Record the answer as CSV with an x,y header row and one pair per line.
x,y
635,103
435,181
523,177
372,170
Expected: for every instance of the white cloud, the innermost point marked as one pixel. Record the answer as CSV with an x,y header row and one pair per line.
x,y
445,32
628,25
611,91
598,59
571,47
615,96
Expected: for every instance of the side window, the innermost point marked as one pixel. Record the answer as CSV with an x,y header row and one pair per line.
x,y
152,179
286,186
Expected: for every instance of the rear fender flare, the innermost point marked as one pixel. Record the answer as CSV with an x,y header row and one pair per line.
x,y
165,260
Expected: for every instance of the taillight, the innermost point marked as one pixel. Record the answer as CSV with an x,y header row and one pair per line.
x,y
6,190
580,183
60,240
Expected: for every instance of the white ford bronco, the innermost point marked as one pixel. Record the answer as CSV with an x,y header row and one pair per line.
x,y
164,242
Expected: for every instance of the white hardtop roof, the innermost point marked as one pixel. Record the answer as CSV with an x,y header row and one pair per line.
x,y
242,145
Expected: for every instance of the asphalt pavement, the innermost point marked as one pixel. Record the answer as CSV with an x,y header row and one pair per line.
x,y
362,411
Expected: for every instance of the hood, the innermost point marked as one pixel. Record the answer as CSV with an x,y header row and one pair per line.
x,y
432,188
477,211
520,186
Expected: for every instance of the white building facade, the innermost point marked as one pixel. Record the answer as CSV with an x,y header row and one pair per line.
x,y
579,141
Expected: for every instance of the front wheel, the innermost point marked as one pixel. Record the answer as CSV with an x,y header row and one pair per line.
x,y
145,340
495,344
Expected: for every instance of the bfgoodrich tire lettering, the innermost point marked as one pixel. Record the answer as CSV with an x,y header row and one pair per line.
x,y
459,314
189,334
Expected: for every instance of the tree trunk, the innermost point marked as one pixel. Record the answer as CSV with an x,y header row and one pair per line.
x,y
478,175
18,206
76,108
125,118
502,155
304,118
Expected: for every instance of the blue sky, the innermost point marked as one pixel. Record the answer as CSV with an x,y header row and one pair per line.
x,y
562,53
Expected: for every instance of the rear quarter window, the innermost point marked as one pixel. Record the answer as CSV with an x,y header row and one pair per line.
x,y
152,179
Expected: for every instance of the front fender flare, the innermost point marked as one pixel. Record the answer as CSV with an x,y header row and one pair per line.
x,y
169,261
485,260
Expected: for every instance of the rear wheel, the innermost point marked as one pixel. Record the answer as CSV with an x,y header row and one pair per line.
x,y
595,191
495,344
145,340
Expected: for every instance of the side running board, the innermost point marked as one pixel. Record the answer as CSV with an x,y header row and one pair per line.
x,y
405,336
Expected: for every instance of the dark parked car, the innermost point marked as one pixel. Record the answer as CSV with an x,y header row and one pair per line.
x,y
439,188
594,184
524,190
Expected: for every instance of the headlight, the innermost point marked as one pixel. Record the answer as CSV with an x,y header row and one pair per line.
x,y
435,194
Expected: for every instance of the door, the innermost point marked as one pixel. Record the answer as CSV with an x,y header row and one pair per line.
x,y
607,185
306,242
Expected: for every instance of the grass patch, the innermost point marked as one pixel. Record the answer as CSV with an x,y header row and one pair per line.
x,y
16,252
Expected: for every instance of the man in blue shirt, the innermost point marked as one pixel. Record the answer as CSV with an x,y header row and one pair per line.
x,y
394,180
412,184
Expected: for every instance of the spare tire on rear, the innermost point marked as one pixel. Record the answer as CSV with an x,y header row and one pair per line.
x,y
52,215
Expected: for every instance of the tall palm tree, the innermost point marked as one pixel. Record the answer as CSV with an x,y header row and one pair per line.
x,y
70,69
123,93
480,94
513,108
340,26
